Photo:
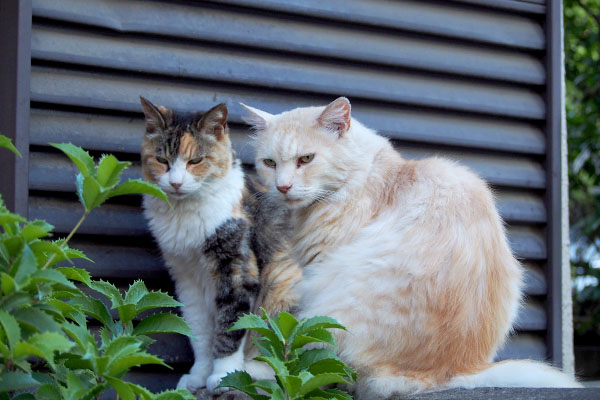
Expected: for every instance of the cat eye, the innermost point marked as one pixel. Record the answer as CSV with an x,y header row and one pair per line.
x,y
162,160
269,162
305,159
196,160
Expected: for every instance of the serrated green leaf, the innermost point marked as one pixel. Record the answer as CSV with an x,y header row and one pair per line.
x,y
241,381
145,394
328,394
7,144
287,324
47,391
318,381
291,384
126,312
312,356
318,322
80,157
177,394
328,366
273,324
163,322
253,322
125,363
53,276
26,265
90,193
36,229
9,218
109,170
122,388
43,345
8,284
82,337
17,299
11,381
109,290
11,329
275,363
314,336
122,346
136,291
156,300
75,274
44,248
94,308
138,186
36,320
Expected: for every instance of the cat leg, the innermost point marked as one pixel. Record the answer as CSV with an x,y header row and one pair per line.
x,y
199,317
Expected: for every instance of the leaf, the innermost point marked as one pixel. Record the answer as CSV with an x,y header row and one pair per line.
x,y
17,299
121,346
319,322
36,229
109,290
241,381
53,276
178,394
275,363
318,381
8,284
41,247
7,144
291,384
255,323
26,265
138,186
156,300
126,312
94,308
136,291
36,320
309,357
314,336
82,337
11,381
123,364
75,274
11,329
44,345
47,391
8,218
89,193
80,157
109,170
122,388
329,366
287,323
163,322
274,325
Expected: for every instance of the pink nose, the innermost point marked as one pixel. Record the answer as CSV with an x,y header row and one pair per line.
x,y
284,189
176,185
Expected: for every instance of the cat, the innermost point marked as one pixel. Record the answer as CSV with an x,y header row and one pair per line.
x,y
224,248
411,256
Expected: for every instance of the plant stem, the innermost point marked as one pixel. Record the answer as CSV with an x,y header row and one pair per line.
x,y
64,243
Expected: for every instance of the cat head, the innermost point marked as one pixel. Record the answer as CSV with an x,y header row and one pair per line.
x,y
183,152
301,155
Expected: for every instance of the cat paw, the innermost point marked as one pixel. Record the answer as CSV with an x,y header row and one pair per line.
x,y
214,380
191,382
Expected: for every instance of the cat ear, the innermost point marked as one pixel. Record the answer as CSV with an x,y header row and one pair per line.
x,y
336,116
215,121
258,119
155,116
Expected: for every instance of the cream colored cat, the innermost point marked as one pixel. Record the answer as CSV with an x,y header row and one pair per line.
x,y
411,256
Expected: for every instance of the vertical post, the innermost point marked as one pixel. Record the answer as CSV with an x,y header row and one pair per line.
x,y
15,70
560,337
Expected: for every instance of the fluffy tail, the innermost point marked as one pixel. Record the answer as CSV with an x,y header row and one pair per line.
x,y
516,373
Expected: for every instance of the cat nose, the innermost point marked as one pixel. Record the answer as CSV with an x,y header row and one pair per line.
x,y
284,189
176,185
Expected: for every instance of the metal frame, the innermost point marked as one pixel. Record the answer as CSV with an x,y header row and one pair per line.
x,y
560,336
15,71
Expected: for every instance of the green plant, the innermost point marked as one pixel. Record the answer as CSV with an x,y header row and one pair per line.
x,y
300,373
47,348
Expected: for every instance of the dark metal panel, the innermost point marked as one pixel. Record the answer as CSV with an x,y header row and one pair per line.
x,y
266,31
241,65
112,133
556,195
64,86
523,346
537,7
15,67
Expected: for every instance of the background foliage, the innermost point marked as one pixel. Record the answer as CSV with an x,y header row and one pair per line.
x,y
582,30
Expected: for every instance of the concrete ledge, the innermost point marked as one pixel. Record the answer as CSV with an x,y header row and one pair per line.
x,y
473,394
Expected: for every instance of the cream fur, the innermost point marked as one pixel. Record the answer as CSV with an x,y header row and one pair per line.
x,y
411,256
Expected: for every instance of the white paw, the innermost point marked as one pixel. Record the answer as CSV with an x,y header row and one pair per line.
x,y
214,380
192,382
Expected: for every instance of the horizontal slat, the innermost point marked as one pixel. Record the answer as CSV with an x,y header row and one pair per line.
x,y
65,86
54,172
253,29
122,220
241,66
525,346
537,7
99,132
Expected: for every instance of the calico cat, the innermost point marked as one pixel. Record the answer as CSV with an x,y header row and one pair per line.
x,y
411,256
225,249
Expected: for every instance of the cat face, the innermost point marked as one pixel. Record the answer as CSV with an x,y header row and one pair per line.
x,y
183,152
300,153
